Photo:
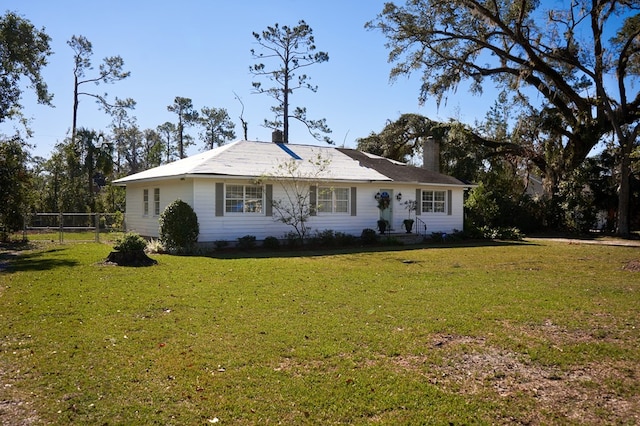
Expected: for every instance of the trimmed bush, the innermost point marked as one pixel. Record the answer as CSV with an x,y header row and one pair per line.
x,y
131,241
179,228
247,242
438,237
220,244
368,236
324,238
271,243
293,239
129,251
344,240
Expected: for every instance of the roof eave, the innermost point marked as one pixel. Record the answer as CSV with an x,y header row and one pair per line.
x,y
248,177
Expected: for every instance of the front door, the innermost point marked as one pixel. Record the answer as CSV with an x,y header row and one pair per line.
x,y
387,213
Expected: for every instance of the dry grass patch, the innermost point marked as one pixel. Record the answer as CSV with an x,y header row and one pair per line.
x,y
16,408
588,394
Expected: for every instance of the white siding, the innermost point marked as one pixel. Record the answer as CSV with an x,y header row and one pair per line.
x,y
200,194
171,190
230,227
443,222
366,213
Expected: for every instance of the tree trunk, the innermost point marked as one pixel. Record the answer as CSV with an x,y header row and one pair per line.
x,y
285,104
180,139
624,192
75,110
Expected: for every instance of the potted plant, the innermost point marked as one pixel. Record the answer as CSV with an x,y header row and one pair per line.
x,y
384,201
410,205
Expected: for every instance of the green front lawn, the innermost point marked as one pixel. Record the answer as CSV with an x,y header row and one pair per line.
x,y
531,333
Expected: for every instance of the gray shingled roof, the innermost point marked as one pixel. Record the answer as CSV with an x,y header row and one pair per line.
x,y
399,172
248,159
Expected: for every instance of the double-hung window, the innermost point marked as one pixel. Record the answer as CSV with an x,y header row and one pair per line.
x,y
156,201
434,201
333,200
145,202
244,199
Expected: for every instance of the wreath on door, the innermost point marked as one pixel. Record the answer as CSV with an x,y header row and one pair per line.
x,y
384,200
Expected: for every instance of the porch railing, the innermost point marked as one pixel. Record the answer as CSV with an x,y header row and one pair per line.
x,y
421,227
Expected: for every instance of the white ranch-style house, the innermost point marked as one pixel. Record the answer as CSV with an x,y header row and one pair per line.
x,y
232,190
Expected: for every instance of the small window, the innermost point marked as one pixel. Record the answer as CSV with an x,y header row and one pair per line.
x,y
244,199
145,202
433,201
333,200
156,201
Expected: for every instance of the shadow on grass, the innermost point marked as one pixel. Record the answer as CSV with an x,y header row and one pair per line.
x,y
259,253
15,261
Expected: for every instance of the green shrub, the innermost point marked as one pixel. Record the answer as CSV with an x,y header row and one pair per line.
x,y
391,241
179,227
131,241
117,222
271,243
220,244
344,240
247,242
324,238
496,233
438,237
368,236
293,239
508,234
456,235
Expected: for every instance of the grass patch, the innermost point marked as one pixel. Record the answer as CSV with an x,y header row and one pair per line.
x,y
524,333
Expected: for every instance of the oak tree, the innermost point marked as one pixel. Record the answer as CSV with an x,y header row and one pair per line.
x,y
561,55
23,53
15,185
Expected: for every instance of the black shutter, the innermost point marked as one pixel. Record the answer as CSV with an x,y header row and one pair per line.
x,y
269,207
219,199
354,194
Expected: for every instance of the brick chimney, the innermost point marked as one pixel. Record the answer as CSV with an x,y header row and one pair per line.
x,y
277,136
431,154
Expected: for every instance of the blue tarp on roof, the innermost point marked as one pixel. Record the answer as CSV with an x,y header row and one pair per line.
x,y
288,150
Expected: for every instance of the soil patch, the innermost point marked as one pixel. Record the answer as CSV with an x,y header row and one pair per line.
x,y
633,266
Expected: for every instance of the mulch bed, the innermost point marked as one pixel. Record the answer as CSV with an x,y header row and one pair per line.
x,y
130,258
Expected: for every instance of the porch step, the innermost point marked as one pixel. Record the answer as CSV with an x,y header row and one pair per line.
x,y
404,238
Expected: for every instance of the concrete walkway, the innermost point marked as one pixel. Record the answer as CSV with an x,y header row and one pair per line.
x,y
600,241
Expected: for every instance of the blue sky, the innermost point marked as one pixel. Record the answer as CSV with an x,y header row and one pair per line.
x,y
201,50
